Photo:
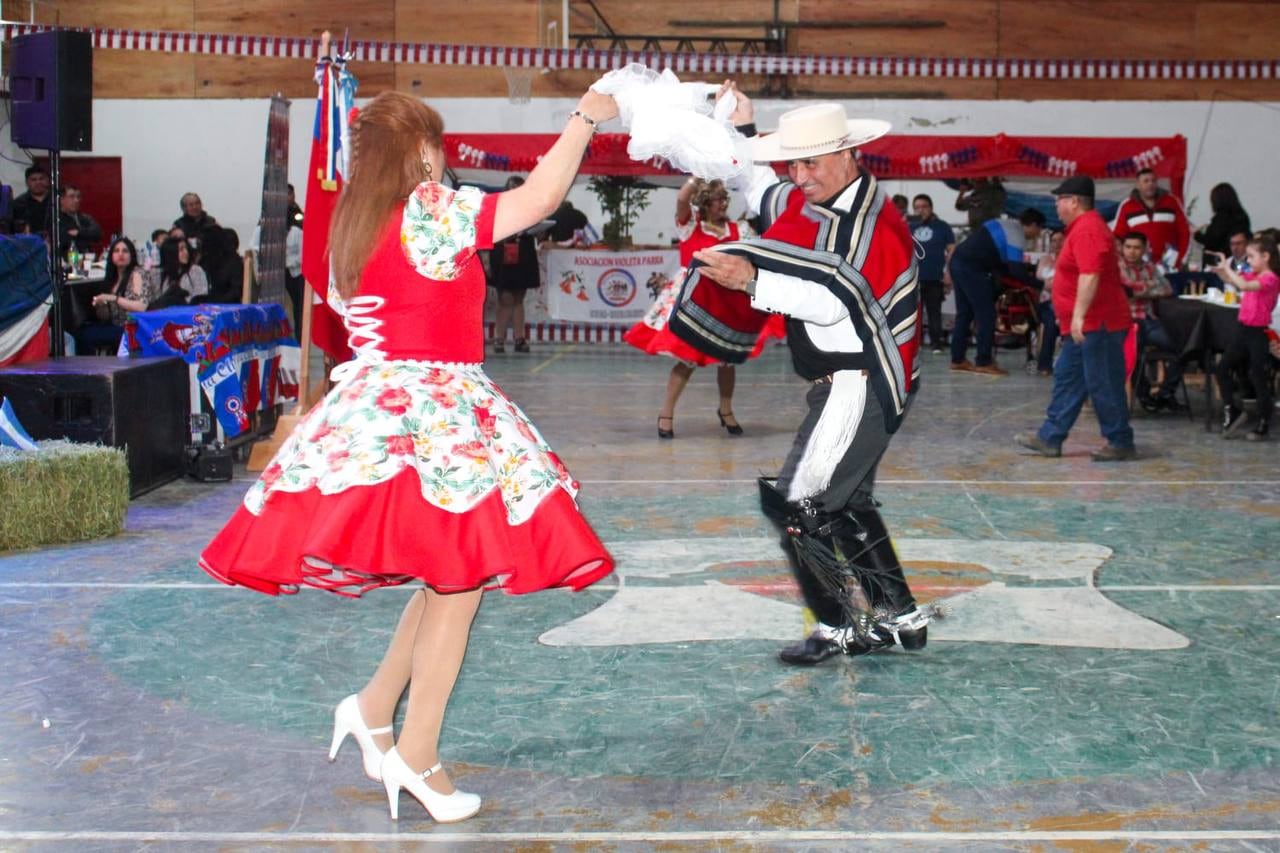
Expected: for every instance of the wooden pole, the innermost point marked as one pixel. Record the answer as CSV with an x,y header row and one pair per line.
x,y
265,449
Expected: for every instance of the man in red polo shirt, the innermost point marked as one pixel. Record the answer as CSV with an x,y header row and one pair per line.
x,y
1089,299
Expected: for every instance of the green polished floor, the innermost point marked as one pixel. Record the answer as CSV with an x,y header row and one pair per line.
x,y
1107,675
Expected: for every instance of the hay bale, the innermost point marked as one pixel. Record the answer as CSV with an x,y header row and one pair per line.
x,y
63,492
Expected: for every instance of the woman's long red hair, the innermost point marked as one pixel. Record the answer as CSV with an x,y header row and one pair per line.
x,y
387,139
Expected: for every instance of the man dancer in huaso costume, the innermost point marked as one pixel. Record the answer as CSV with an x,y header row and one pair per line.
x,y
836,258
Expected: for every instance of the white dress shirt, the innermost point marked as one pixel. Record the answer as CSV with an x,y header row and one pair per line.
x,y
826,318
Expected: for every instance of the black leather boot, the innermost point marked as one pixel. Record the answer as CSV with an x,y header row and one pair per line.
x,y
813,649
896,618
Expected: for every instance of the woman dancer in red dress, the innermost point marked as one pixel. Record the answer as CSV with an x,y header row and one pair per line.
x,y
416,467
702,221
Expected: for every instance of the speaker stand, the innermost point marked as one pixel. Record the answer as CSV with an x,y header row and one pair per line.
x,y
58,346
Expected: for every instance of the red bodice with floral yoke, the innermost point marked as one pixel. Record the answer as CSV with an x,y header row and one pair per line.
x,y
415,466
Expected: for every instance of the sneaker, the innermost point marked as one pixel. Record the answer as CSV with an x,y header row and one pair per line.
x,y
1232,419
1032,441
522,345
937,349
991,369
1111,453
1258,433
961,365
498,347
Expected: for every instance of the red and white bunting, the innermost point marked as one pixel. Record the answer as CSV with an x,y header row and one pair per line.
x,y
715,64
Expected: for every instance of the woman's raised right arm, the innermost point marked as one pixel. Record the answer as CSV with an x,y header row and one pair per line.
x,y
549,181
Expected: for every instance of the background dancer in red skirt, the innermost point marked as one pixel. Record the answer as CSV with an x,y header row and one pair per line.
x,y
702,221
416,467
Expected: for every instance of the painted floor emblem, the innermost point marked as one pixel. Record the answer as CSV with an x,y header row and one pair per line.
x,y
1039,593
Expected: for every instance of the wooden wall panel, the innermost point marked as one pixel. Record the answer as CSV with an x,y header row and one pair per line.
x,y
1088,29
513,22
970,29
1240,30
131,74
251,77
1093,29
655,17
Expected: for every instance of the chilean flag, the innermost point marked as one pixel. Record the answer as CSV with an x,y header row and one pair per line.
x,y
324,182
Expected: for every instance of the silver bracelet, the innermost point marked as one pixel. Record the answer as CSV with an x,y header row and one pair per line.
x,y
591,123
751,288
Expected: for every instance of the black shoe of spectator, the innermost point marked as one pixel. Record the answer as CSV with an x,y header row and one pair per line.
x,y
1149,404
1171,403
1259,432
1232,419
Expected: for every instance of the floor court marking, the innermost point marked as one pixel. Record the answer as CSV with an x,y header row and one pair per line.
x,y
888,482
411,587
638,837
553,359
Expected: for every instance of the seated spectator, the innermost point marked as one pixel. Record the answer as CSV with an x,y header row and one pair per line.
x,y
900,201
223,266
1144,283
126,289
193,221
177,279
77,228
1239,244
32,211
1229,218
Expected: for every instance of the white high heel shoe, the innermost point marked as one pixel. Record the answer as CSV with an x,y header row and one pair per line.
x,y
347,721
443,808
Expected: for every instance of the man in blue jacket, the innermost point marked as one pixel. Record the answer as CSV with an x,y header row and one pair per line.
x,y
992,249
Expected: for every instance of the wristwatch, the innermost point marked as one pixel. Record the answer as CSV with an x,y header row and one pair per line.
x,y
751,288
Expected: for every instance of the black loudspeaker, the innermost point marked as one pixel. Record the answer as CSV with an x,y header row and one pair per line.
x,y
51,88
140,404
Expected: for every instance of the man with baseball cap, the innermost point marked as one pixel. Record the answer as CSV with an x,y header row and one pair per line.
x,y
836,259
1089,299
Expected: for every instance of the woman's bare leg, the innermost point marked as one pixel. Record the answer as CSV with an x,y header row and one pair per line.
x,y
378,698
506,307
676,382
438,650
517,315
726,379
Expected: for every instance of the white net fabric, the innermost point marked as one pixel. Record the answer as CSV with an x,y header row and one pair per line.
x,y
677,122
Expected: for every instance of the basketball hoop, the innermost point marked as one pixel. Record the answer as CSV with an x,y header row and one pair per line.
x,y
519,83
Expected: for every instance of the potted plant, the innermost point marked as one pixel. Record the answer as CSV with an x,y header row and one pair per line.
x,y
621,199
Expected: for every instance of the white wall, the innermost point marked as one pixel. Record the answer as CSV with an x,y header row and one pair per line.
x,y
215,147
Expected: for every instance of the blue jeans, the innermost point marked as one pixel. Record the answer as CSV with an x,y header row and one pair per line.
x,y
1048,337
975,303
1094,369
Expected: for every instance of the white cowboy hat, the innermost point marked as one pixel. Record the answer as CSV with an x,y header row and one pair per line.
x,y
813,131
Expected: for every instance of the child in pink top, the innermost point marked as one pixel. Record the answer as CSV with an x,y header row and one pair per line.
x,y
1248,350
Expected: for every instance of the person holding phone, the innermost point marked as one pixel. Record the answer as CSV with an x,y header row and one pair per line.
x,y
1248,350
